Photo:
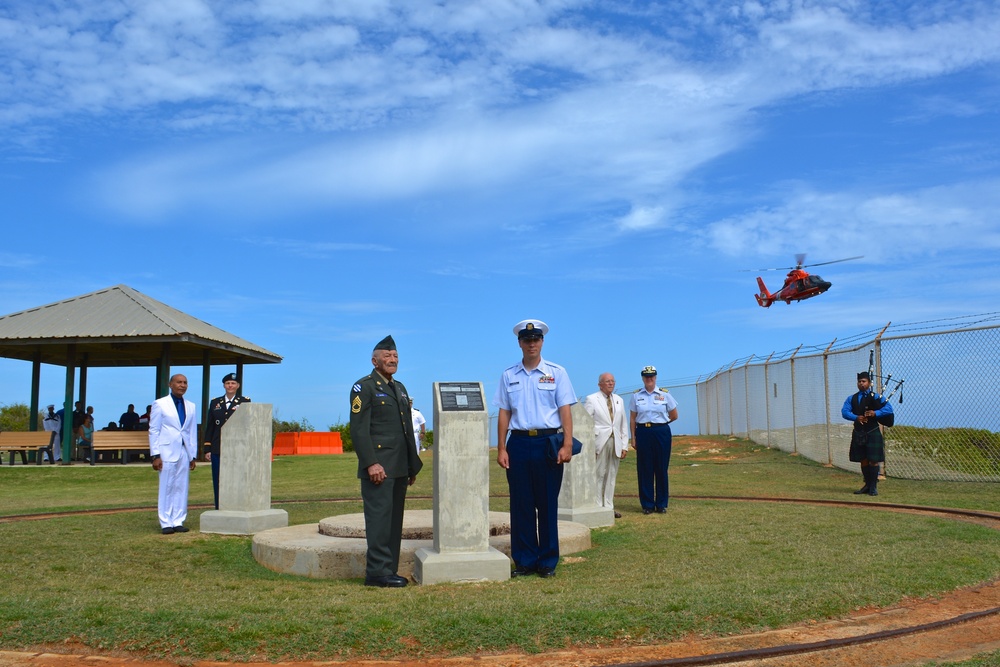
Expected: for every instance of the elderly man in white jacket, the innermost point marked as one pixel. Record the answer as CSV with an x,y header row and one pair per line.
x,y
610,437
173,445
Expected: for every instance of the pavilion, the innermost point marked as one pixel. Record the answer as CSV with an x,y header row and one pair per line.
x,y
115,327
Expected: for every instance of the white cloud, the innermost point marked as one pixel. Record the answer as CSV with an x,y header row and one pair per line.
x,y
892,226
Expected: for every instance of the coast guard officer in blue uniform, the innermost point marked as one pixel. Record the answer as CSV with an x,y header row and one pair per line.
x,y
652,410
534,398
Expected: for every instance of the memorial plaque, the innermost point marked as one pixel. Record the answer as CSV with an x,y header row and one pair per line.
x,y
461,396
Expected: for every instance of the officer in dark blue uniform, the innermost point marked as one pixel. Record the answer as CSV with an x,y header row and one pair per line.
x,y
534,398
868,411
382,432
219,411
651,411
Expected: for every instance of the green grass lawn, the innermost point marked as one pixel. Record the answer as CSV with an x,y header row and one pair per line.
x,y
707,567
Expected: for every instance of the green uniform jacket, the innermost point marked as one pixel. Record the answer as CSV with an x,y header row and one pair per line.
x,y
382,428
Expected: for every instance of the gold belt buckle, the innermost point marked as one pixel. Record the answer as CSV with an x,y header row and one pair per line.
x,y
532,431
649,424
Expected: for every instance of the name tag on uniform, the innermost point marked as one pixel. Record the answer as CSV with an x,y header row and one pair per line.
x,y
547,382
640,400
380,395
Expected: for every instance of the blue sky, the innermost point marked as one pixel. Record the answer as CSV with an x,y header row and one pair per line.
x,y
314,175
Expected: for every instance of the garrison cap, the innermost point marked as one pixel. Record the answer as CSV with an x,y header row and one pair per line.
x,y
386,343
864,376
648,371
530,329
231,377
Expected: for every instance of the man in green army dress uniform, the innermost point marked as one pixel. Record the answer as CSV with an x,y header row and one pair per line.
x,y
382,432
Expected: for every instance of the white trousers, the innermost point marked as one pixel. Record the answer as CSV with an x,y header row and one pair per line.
x,y
607,474
173,499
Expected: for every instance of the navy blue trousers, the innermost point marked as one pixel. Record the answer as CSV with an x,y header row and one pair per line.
x,y
652,452
534,483
215,479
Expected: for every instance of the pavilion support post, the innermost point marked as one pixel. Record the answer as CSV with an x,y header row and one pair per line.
x,y
239,376
206,379
67,420
83,382
163,371
36,381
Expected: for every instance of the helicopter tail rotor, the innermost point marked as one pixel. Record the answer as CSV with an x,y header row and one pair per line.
x,y
765,298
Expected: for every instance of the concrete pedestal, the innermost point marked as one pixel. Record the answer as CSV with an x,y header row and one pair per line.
x,y
461,550
578,495
245,476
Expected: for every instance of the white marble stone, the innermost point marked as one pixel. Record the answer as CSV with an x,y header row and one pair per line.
x,y
578,495
245,476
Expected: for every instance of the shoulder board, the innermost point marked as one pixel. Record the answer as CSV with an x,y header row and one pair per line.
x,y
637,391
664,390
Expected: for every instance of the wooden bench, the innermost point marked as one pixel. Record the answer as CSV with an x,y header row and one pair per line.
x,y
22,442
121,442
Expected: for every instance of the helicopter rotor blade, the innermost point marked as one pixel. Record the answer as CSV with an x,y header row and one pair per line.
x,y
799,258
846,259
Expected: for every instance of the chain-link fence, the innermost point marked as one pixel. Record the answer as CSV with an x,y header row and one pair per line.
x,y
948,428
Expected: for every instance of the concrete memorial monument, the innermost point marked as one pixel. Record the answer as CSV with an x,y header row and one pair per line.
x,y
461,550
578,495
245,476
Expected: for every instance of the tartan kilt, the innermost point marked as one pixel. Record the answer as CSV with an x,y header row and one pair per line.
x,y
867,446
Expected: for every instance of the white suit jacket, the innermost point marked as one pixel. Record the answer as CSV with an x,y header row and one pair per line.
x,y
168,438
597,406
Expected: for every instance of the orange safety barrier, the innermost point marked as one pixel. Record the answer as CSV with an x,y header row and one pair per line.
x,y
297,443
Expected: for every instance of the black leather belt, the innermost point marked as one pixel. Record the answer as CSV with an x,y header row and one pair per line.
x,y
537,431
653,425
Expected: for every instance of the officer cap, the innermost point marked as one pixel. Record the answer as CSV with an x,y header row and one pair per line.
x,y
231,377
530,329
649,371
386,343
864,376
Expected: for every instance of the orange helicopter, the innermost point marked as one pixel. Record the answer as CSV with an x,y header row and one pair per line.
x,y
799,284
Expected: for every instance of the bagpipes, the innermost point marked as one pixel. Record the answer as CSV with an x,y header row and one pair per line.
x,y
887,420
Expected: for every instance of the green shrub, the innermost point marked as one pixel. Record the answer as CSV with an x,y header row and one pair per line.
x,y
345,435
14,417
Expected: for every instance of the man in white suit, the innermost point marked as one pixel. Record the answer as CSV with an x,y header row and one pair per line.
x,y
173,445
610,437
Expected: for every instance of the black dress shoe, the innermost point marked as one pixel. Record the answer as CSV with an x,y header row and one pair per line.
x,y
661,510
388,581
618,515
167,531
181,529
646,510
546,572
521,571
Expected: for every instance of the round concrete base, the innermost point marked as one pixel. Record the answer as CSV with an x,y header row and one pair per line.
x,y
339,551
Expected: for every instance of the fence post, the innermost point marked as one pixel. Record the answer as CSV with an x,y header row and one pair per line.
x,y
795,426
767,396
746,391
826,398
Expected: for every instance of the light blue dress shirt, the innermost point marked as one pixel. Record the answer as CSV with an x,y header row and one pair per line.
x,y
534,397
652,406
